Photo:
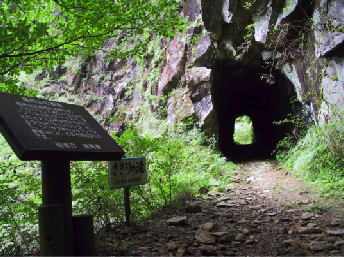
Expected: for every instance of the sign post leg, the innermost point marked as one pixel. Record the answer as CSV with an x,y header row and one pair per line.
x,y
83,231
56,190
51,234
127,205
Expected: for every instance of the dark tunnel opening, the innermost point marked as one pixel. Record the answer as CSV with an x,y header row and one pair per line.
x,y
241,91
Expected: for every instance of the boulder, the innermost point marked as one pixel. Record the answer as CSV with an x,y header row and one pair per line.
x,y
193,207
177,221
179,106
262,22
191,9
202,53
204,237
328,23
335,232
332,82
174,65
317,246
196,76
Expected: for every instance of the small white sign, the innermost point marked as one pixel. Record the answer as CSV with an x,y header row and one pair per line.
x,y
127,172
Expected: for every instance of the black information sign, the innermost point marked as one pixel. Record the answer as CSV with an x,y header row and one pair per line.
x,y
38,129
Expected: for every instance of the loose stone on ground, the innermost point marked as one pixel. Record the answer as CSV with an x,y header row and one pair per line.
x,y
250,219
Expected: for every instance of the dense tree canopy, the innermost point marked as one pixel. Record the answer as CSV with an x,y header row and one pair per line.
x,y
43,33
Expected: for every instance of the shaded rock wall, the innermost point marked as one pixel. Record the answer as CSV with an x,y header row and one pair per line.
x,y
235,53
173,81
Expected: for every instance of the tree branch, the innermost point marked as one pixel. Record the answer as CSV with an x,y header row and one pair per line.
x,y
53,47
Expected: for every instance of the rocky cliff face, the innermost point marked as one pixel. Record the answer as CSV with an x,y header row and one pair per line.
x,y
238,57
303,40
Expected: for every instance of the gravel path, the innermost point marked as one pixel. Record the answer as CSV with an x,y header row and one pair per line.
x,y
264,212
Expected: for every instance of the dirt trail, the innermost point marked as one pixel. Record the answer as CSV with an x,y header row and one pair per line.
x,y
265,212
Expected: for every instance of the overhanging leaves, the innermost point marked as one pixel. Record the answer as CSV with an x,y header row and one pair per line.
x,y
52,30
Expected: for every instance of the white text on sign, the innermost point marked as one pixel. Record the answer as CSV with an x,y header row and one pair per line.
x,y
127,172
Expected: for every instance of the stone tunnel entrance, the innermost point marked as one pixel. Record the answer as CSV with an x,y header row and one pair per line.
x,y
245,91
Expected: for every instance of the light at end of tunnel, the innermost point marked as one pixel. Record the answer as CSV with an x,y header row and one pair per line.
x,y
243,131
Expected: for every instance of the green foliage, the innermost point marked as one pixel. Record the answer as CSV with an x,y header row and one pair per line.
x,y
178,160
249,31
11,86
19,198
247,42
247,4
333,133
298,128
91,193
195,38
288,6
243,131
330,26
43,33
319,156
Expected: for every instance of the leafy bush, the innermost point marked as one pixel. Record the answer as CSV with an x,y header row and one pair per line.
x,y
178,161
319,157
12,86
19,199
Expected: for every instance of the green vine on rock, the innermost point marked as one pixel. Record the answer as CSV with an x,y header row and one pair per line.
x,y
330,26
247,4
248,37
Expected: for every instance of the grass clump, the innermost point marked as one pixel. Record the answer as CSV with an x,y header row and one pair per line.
x,y
318,157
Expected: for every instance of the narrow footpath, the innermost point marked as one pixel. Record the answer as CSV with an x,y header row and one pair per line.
x,y
266,211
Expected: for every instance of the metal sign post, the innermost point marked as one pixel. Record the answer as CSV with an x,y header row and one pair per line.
x,y
127,207
55,134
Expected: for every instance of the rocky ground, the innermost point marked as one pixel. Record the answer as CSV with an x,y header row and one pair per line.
x,y
266,211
